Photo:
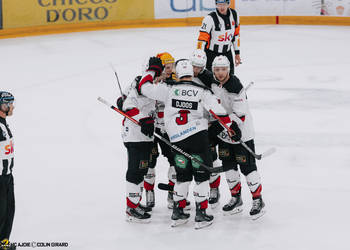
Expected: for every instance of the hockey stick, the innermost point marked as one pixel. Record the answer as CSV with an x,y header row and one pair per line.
x,y
165,187
210,169
116,75
229,130
249,85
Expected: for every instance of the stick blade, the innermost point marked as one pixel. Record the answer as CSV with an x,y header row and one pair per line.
x,y
269,152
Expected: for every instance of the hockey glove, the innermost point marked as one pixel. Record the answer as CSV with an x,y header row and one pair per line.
x,y
213,131
147,126
120,102
237,132
155,64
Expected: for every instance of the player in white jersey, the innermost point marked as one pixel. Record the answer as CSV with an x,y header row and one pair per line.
x,y
219,33
139,143
233,98
167,77
205,77
7,196
185,105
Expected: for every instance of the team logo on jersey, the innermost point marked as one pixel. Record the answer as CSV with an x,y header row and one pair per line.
x,y
223,153
181,161
241,158
184,92
195,164
9,149
143,164
225,37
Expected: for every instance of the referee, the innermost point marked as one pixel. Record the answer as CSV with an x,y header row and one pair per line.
x,y
7,197
219,34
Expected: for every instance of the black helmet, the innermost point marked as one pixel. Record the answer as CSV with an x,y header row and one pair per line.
x,y
6,97
222,1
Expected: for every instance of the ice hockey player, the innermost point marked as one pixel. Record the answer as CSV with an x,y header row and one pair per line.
x,y
185,103
219,33
167,77
233,98
7,196
205,77
138,141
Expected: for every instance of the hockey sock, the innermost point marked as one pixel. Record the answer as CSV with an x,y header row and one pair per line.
x,y
149,179
254,184
133,194
201,192
172,175
180,192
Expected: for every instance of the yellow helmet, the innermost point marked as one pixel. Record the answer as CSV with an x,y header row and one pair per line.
x,y
166,58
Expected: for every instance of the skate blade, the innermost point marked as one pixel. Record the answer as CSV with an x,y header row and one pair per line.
x,y
233,211
136,220
175,223
202,224
257,216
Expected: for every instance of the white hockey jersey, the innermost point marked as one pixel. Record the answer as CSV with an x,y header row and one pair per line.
x,y
138,107
233,98
6,148
184,106
219,33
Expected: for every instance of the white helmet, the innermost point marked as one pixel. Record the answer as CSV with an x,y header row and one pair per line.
x,y
220,61
198,58
183,67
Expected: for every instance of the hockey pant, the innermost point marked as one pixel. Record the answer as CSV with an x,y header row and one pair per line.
x,y
211,56
198,146
234,155
139,159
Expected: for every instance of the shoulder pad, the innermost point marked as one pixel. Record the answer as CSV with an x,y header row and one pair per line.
x,y
233,85
206,77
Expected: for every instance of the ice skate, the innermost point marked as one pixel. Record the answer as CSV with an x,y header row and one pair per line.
x,y
257,209
234,206
178,217
202,219
137,215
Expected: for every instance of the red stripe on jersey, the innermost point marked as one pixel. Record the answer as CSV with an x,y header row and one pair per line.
x,y
242,118
147,78
133,112
171,183
226,119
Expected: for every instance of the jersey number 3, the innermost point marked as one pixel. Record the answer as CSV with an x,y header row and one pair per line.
x,y
183,118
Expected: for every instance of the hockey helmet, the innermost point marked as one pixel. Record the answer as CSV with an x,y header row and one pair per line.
x,y
198,58
183,67
220,61
166,58
6,97
222,1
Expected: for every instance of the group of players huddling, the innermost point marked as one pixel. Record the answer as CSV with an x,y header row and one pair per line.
x,y
176,100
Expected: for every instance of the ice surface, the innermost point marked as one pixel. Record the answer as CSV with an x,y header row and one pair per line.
x,y
71,163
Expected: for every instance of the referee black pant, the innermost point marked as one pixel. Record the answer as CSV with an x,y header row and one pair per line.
x,y
7,205
211,56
